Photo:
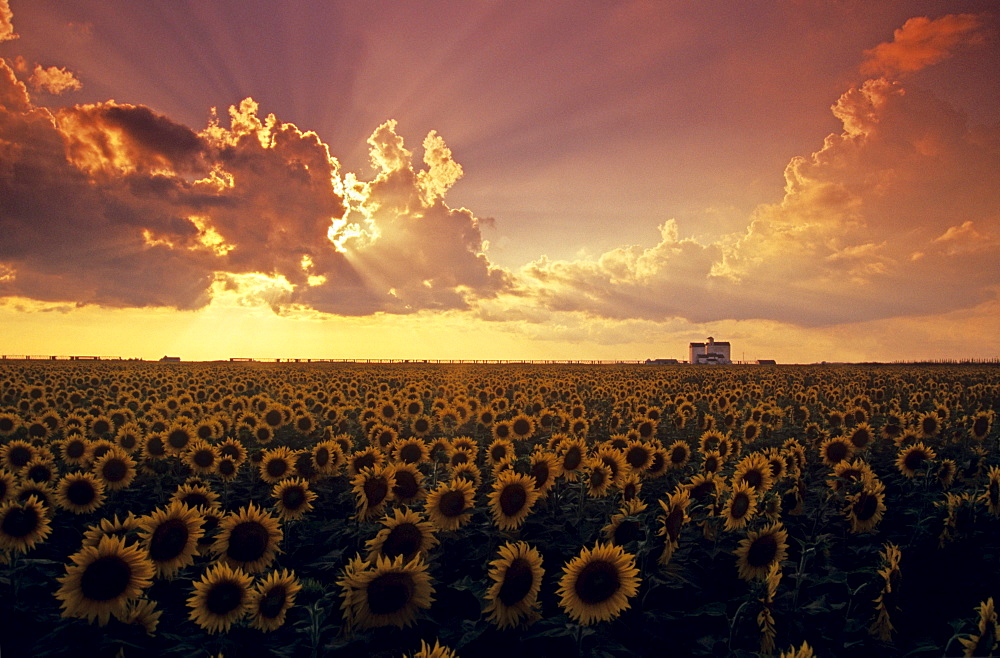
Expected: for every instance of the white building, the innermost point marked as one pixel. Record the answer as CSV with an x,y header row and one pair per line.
x,y
711,351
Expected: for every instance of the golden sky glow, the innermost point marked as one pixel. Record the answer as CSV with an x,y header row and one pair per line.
x,y
808,180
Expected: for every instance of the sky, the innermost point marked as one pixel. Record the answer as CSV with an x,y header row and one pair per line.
x,y
810,180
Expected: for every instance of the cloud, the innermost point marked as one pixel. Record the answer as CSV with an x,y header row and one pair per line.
x,y
117,205
922,42
53,80
894,216
6,22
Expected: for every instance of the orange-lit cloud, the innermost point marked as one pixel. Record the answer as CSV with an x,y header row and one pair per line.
x,y
6,22
922,42
894,216
117,205
53,80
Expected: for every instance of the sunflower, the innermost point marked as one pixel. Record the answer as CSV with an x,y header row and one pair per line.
x,y
366,458
460,455
630,486
929,424
835,450
23,524
73,449
597,584
141,612
511,500
409,486
673,520
761,549
412,450
276,464
80,493
499,450
116,469
678,454
865,508
39,470
421,425
741,505
328,457
437,650
178,436
571,457
981,423
468,472
103,579
542,467
913,458
861,436
124,529
406,534
154,447
170,537
271,598
624,526
15,455
755,470
386,593
984,641
449,506
9,423
202,457
522,427
248,539
221,598
373,489
502,430
293,498
599,479
516,575
129,437
659,464
991,496
8,484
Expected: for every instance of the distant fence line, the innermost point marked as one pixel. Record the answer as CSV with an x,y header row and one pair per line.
x,y
41,357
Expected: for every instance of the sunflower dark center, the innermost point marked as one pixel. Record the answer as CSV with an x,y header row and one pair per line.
x,y
540,473
154,445
656,462
273,602
597,478
626,531
224,597
914,459
410,453
404,539
421,425
81,492
497,453
460,457
20,522
321,457
836,451
101,427
277,467
597,582
980,426
376,489
572,458
248,541
366,460
517,582
39,473
168,540
637,457
762,551
861,438
105,578
673,523
406,485
114,470
195,499
227,467
678,455
178,439
75,449
513,499
452,503
204,458
741,505
521,427
273,417
6,424
19,456
293,498
865,506
389,593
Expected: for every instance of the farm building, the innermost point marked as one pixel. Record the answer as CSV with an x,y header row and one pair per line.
x,y
709,352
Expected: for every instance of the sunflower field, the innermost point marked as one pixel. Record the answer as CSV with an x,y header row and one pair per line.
x,y
210,509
